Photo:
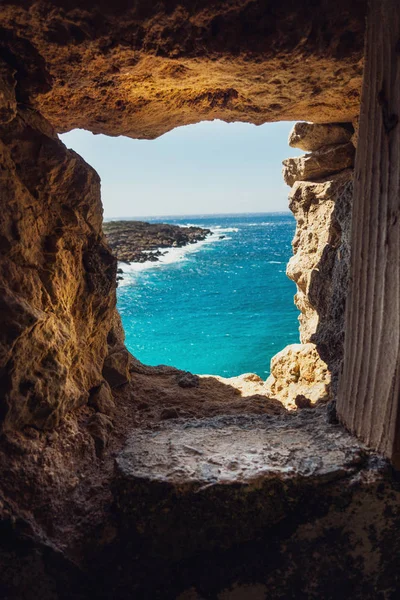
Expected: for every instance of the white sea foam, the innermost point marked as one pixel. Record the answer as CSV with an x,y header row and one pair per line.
x,y
171,255
218,229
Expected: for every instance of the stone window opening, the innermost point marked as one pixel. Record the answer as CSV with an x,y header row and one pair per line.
x,y
320,199
96,500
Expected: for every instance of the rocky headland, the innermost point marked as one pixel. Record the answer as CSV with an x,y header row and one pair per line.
x,y
138,241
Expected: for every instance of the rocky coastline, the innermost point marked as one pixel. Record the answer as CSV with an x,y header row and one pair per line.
x,y
139,241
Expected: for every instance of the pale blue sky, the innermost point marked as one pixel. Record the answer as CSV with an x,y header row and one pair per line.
x,y
211,167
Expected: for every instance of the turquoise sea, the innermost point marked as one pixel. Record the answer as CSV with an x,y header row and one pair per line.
x,y
223,306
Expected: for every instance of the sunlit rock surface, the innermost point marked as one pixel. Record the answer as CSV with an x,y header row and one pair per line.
x,y
322,211
322,163
57,276
320,262
237,505
238,468
298,372
311,136
141,69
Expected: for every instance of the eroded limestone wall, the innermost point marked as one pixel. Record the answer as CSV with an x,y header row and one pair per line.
x,y
142,68
320,200
57,275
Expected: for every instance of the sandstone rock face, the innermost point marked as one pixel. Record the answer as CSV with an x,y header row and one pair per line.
x,y
321,163
141,69
298,371
101,399
57,276
311,136
329,286
117,362
317,241
319,265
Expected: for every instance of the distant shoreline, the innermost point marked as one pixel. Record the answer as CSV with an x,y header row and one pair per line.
x,y
133,241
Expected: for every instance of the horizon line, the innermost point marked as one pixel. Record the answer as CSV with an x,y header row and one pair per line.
x,y
269,212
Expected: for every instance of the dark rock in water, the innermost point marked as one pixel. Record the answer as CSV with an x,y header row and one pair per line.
x,y
120,271
138,241
221,237
188,380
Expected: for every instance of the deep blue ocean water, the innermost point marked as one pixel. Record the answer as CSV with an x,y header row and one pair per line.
x,y
223,306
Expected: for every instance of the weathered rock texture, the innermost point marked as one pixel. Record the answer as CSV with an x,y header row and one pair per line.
x,y
250,494
56,515
57,276
298,372
8,102
277,507
311,136
323,211
141,69
321,163
320,262
70,526
242,462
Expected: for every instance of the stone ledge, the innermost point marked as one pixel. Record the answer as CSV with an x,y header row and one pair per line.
x,y
210,483
292,505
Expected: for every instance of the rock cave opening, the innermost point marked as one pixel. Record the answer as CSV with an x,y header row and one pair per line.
x,y
121,480
169,315
184,301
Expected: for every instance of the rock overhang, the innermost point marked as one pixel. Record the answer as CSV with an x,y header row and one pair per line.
x,y
141,70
